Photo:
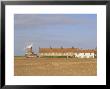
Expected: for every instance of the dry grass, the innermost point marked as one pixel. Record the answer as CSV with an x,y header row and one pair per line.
x,y
54,67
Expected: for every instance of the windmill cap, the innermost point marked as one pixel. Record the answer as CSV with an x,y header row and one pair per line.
x,y
29,46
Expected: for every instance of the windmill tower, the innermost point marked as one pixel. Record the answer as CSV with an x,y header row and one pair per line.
x,y
29,52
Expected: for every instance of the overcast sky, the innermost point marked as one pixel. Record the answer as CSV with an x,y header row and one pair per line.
x,y
55,30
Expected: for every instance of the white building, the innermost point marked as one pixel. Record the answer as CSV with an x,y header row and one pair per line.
x,y
86,54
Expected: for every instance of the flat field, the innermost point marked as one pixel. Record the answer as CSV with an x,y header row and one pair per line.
x,y
54,67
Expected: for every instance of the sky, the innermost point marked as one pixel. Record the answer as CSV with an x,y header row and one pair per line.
x,y
54,30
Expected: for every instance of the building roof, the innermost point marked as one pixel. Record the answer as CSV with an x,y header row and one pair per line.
x,y
88,51
64,50
58,50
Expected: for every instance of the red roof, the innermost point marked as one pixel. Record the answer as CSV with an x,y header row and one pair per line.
x,y
64,50
88,51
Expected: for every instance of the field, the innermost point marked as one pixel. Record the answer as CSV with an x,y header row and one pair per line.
x,y
54,67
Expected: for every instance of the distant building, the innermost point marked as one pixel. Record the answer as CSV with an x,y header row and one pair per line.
x,y
61,52
67,52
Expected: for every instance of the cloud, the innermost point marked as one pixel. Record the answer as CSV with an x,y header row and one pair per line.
x,y
46,20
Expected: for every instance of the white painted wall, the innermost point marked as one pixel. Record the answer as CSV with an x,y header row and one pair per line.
x,y
79,55
85,55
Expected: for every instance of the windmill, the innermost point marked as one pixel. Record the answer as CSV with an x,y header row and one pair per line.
x,y
28,48
29,52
